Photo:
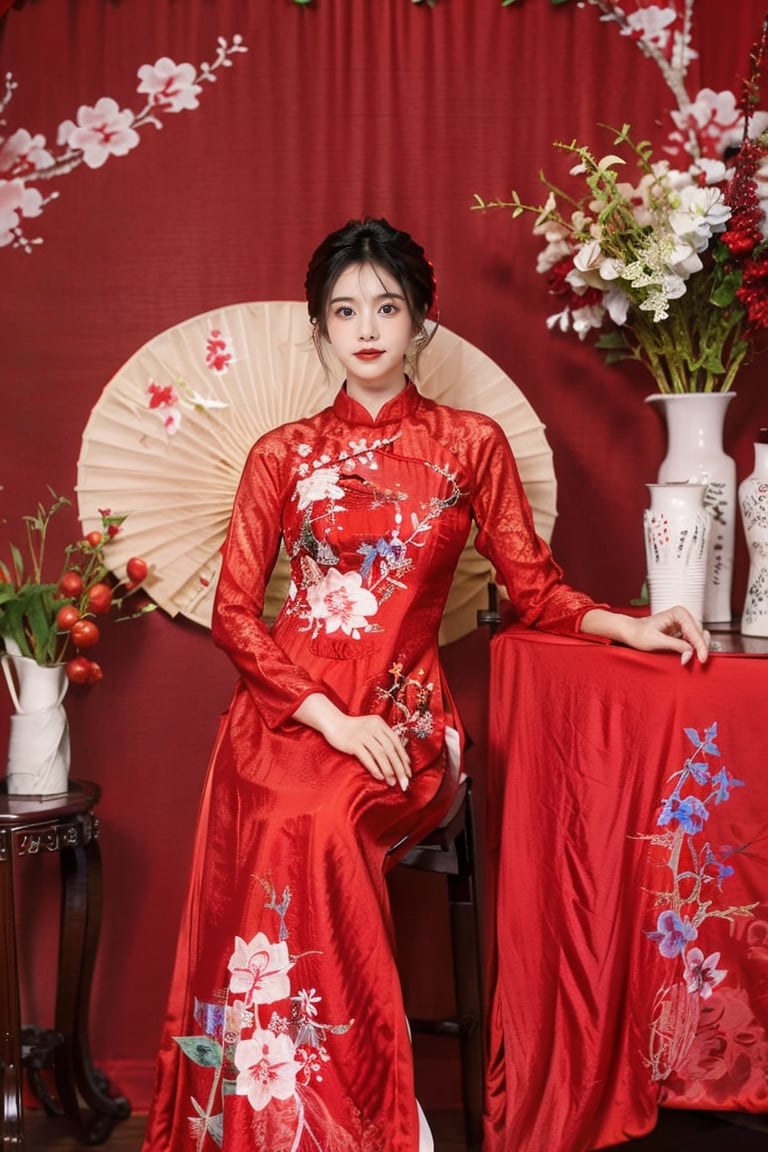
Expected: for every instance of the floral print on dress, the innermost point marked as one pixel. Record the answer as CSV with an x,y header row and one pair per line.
x,y
411,697
695,873
339,601
332,600
262,1040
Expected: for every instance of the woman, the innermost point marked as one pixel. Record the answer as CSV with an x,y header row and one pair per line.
x,y
341,747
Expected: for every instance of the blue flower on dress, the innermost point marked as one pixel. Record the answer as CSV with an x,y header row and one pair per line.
x,y
723,783
672,934
689,812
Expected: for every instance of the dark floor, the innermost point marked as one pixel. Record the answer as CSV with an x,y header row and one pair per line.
x,y
676,1132
679,1131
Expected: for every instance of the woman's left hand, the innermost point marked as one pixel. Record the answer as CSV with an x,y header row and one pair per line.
x,y
674,630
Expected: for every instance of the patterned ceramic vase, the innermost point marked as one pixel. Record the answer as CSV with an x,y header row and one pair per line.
x,y
677,527
694,422
753,501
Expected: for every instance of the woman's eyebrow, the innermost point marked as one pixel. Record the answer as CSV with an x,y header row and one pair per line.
x,y
379,296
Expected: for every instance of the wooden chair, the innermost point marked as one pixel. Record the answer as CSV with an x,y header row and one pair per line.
x,y
450,850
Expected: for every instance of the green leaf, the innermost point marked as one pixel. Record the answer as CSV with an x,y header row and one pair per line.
x,y
200,1050
28,616
725,293
612,339
18,563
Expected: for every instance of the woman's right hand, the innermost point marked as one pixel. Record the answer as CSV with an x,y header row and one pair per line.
x,y
368,738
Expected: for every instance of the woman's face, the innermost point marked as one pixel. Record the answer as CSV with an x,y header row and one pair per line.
x,y
369,328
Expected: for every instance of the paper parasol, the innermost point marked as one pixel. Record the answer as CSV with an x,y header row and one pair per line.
x,y
167,439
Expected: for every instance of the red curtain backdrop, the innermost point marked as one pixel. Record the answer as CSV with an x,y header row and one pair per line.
x,y
338,108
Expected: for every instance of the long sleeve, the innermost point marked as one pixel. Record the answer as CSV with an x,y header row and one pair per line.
x,y
507,537
249,554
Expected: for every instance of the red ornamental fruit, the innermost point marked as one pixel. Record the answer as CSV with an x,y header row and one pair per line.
x,y
99,599
94,539
78,670
71,584
137,569
66,617
84,634
94,672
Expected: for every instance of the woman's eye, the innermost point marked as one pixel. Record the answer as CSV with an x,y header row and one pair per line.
x,y
344,311
389,309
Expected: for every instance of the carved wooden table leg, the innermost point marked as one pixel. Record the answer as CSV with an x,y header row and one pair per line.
x,y
11,1119
77,1080
65,825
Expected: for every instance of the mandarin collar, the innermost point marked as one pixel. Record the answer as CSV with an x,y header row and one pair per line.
x,y
400,406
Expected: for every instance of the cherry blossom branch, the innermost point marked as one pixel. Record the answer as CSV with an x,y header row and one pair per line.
x,y
673,70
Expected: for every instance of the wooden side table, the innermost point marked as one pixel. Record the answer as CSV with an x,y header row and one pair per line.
x,y
30,827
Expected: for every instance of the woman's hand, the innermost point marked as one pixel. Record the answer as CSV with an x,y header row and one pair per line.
x,y
369,738
674,630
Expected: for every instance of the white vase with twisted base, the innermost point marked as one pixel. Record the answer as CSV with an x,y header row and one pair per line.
x,y
38,748
694,422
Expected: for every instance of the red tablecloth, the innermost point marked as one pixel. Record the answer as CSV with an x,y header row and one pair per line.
x,y
628,844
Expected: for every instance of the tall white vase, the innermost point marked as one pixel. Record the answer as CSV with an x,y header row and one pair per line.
x,y
694,423
753,501
677,527
38,747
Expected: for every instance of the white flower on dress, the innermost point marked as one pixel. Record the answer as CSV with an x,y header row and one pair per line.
x,y
322,484
169,85
100,132
703,975
340,601
306,999
266,1068
259,970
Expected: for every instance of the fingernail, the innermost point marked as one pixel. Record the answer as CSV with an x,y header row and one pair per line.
x,y
686,656
404,785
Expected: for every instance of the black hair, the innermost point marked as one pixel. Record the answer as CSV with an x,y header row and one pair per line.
x,y
370,241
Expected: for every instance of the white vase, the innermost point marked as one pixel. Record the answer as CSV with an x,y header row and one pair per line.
x,y
38,747
753,502
694,422
677,527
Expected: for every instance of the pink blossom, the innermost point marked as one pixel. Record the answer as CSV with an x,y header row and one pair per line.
x,y
162,397
651,25
16,201
24,154
716,121
170,86
163,401
218,352
171,420
341,602
259,970
102,131
266,1068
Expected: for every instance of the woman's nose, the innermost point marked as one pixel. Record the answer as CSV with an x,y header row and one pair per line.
x,y
369,329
